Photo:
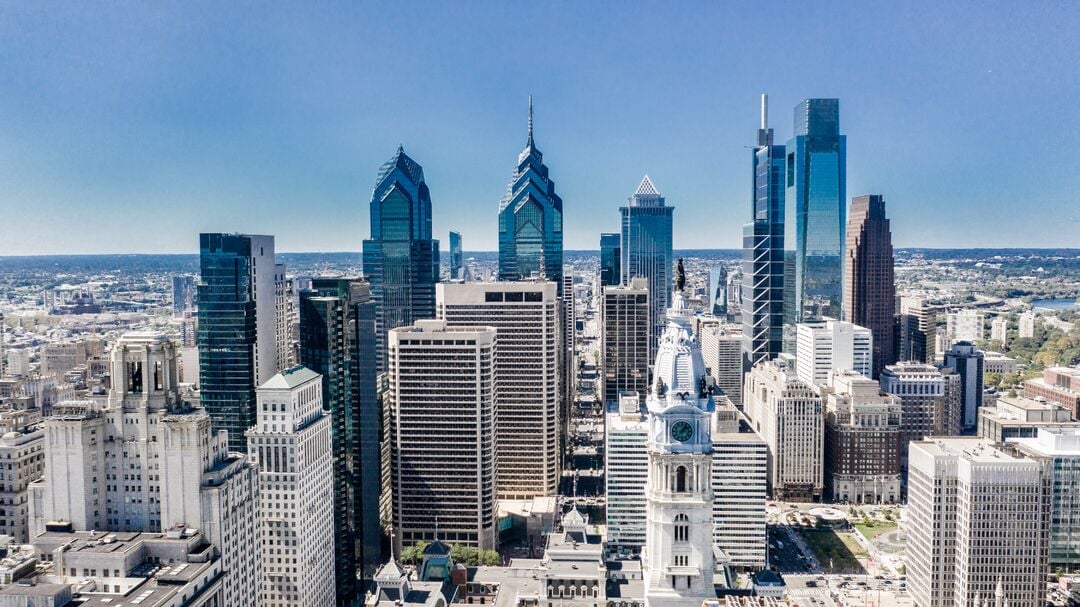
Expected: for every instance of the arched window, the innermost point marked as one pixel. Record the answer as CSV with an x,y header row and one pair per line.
x,y
682,527
680,479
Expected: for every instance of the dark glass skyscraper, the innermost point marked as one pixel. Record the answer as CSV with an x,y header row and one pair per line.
x,y
237,319
530,220
646,252
457,260
400,259
337,341
869,286
763,251
610,259
814,213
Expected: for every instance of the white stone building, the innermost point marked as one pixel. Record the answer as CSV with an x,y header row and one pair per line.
x,y
626,467
291,444
822,347
929,407
999,329
22,461
721,347
740,487
965,325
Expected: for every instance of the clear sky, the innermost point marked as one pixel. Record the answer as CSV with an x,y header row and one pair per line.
x,y
132,126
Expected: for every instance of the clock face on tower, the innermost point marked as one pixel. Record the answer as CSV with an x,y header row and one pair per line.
x,y
682,431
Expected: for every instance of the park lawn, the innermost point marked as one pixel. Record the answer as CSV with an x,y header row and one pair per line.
x,y
872,531
841,549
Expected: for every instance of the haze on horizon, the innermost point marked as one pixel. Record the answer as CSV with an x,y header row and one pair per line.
x,y
131,128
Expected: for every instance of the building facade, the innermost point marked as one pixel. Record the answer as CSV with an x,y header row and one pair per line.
x,y
965,325
928,407
1060,385
647,252
610,259
721,347
22,454
624,337
918,330
626,468
869,283
824,346
1059,448
283,335
457,257
862,441
967,361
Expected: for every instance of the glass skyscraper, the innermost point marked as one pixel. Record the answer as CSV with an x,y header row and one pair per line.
x,y
457,260
610,259
530,220
337,341
814,214
763,251
400,259
237,318
646,252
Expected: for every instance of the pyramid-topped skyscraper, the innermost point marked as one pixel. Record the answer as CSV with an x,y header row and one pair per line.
x,y
646,251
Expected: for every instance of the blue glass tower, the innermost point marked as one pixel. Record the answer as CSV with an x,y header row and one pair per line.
x,y
610,259
530,220
457,260
646,252
337,341
763,251
400,259
717,291
814,214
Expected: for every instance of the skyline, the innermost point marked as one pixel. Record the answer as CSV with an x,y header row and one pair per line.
x,y
132,131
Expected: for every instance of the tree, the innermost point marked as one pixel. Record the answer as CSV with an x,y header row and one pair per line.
x,y
414,554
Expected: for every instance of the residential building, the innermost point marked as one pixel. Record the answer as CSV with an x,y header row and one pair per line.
x,y
237,328
918,330
401,260
721,347
978,524
610,259
293,446
814,217
442,451
531,219
967,362
762,307
183,294
23,456
283,337
1027,324
788,414
862,441
1060,385
824,346
965,325
999,329
457,257
926,408
647,253
869,284
525,317
1020,417
338,341
624,340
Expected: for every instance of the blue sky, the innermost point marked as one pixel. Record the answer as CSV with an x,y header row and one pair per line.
x,y
131,127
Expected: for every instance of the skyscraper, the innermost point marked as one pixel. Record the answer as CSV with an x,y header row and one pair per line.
x,y
282,314
862,440
293,446
531,219
237,328
624,340
967,362
337,341
869,285
400,259
716,293
646,252
918,330
525,317
610,259
183,294
823,347
814,213
763,251
457,260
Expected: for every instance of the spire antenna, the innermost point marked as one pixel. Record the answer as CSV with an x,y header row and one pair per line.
x,y
530,120
764,111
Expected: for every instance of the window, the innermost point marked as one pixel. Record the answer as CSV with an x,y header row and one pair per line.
x,y
680,479
682,528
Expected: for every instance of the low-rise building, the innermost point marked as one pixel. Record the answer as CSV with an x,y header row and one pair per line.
x,y
996,362
1060,385
1020,417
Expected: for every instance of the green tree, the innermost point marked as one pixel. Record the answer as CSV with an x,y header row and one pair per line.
x,y
413,554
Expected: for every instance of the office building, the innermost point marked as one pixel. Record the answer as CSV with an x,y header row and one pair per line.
x,y
610,259
145,460
646,252
824,346
787,413
567,360
457,257
337,341
401,260
862,441
292,444
918,330
23,455
525,317
237,328
442,451
721,347
531,219
1027,324
624,340
740,469
999,329
716,292
626,467
1018,417
814,216
18,362
1059,448
965,325
59,358
928,406
283,336
1060,385
183,294
978,522
967,362
763,251
869,284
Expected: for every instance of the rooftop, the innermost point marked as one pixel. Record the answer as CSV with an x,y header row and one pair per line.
x,y
290,378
